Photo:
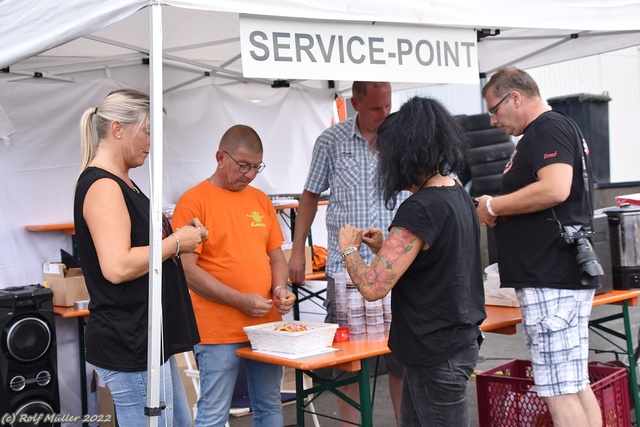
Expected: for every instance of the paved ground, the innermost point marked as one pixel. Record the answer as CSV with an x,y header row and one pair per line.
x,y
497,349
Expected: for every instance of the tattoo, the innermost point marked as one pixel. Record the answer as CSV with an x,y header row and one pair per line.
x,y
399,242
354,271
379,276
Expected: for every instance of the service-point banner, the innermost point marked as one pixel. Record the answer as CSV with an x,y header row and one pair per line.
x,y
340,50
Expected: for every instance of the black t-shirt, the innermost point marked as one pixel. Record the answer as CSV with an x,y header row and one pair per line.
x,y
438,302
116,333
528,251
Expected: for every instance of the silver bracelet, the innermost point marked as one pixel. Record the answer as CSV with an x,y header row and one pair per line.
x,y
348,251
278,287
491,212
177,254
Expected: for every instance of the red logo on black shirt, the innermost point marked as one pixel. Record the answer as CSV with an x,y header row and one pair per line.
x,y
510,162
551,155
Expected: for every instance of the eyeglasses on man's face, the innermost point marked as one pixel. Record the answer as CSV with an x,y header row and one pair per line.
x,y
493,110
244,168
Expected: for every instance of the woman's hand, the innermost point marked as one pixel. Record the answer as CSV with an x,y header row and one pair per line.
x,y
349,236
191,235
372,237
203,230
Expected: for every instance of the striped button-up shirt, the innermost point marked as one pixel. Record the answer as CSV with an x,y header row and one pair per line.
x,y
344,162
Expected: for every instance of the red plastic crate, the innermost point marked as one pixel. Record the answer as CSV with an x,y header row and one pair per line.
x,y
507,396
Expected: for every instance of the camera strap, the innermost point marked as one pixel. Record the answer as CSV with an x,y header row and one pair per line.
x,y
586,172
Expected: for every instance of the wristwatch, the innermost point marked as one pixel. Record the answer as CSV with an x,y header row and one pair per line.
x,y
348,251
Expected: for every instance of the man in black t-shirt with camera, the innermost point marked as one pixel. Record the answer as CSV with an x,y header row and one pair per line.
x,y
542,227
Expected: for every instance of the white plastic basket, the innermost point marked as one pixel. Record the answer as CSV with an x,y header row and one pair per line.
x,y
265,337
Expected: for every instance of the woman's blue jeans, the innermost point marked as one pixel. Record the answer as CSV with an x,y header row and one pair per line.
x,y
436,396
129,391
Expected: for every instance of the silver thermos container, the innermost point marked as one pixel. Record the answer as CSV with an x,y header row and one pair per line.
x,y
624,236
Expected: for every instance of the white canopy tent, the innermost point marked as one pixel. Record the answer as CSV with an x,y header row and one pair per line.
x,y
99,42
202,36
194,43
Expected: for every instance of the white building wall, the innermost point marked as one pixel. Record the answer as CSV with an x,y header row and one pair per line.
x,y
458,98
615,73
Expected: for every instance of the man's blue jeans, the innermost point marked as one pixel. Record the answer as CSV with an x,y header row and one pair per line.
x,y
436,396
218,365
129,391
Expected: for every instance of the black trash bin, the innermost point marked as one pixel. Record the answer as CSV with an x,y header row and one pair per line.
x,y
591,113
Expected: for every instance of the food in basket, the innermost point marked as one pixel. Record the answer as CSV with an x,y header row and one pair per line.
x,y
270,336
288,327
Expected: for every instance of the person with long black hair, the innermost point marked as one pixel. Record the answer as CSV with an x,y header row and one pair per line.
x,y
430,261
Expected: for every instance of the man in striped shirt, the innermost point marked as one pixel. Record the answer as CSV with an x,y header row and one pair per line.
x,y
345,160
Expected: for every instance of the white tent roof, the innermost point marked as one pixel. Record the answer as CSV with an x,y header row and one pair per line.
x,y
202,36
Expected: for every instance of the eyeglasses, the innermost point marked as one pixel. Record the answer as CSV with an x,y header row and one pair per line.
x,y
493,110
244,168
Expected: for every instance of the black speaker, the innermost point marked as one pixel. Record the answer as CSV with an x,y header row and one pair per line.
x,y
28,359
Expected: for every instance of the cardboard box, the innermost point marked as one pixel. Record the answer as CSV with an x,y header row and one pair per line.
x,y
308,265
68,286
106,409
189,384
288,379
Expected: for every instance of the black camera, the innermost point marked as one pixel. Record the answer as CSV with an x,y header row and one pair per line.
x,y
589,268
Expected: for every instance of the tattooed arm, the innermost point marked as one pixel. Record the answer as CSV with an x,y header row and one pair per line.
x,y
394,258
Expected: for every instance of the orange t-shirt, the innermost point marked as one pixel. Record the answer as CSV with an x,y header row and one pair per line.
x,y
243,226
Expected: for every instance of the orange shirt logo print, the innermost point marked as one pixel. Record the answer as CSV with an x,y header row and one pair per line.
x,y
257,219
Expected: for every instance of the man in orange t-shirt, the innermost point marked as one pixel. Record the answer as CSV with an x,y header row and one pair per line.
x,y
238,277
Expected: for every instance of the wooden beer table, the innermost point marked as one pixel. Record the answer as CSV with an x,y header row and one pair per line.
x,y
304,294
350,357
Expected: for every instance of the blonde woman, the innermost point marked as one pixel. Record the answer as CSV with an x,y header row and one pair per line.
x,y
111,217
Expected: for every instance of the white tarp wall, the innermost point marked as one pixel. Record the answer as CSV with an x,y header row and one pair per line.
x,y
39,167
40,164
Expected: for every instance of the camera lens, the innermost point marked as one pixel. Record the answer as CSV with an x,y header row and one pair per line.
x,y
588,266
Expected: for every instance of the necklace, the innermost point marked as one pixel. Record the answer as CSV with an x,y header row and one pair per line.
x,y
425,181
120,175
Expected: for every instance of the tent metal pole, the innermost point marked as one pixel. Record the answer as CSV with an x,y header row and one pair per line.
x,y
154,406
483,81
